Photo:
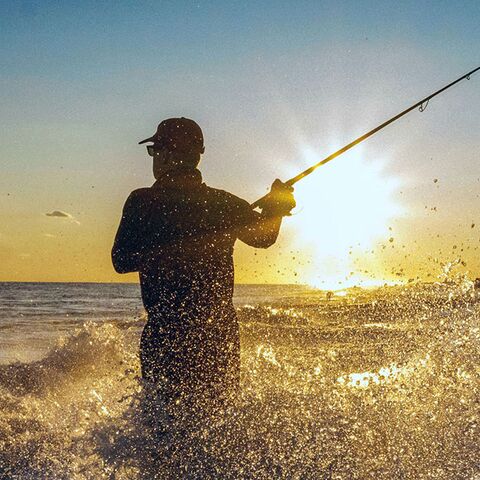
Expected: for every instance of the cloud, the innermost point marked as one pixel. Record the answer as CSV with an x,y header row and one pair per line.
x,y
49,235
61,214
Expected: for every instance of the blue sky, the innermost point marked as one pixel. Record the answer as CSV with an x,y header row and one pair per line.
x,y
82,82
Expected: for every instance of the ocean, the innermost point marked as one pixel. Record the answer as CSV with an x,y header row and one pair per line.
x,y
356,384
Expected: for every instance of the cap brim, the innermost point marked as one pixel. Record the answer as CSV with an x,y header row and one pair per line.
x,y
151,139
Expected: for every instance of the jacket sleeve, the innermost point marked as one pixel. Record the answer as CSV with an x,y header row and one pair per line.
x,y
255,229
128,248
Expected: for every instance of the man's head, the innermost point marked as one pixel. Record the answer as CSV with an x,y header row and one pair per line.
x,y
178,142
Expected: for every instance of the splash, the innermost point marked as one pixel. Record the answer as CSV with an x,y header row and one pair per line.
x,y
385,375
50,407
376,383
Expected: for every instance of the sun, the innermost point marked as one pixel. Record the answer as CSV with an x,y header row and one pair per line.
x,y
344,207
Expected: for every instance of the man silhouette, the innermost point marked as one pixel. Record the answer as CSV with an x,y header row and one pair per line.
x,y
179,235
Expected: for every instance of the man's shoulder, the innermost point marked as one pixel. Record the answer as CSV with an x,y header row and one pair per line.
x,y
140,192
138,198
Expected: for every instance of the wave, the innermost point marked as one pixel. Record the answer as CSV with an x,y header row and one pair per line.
x,y
324,395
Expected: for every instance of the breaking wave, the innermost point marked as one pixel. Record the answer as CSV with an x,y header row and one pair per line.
x,y
376,384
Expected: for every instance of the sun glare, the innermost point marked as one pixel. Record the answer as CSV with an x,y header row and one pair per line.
x,y
344,208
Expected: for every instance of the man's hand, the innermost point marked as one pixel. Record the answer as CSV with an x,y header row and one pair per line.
x,y
280,201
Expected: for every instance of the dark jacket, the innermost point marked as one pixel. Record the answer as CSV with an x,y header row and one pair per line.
x,y
179,235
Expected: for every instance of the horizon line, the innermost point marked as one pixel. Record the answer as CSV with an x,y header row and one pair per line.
x,y
138,283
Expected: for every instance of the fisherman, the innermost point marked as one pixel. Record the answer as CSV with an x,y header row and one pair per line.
x,y
179,235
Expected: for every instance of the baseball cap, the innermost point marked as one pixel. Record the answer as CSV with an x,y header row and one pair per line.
x,y
180,134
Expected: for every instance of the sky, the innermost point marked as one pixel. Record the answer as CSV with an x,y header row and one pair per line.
x,y
275,86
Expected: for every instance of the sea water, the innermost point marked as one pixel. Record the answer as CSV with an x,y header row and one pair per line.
x,y
360,384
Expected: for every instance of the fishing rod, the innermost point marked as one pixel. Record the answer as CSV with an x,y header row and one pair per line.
x,y
422,105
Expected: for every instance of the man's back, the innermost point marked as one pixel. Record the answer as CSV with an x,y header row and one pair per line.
x,y
183,233
179,234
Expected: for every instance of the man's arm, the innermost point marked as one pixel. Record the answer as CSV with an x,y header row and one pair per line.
x,y
263,228
128,246
262,232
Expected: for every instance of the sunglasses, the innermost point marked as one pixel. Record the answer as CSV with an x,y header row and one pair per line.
x,y
151,149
